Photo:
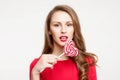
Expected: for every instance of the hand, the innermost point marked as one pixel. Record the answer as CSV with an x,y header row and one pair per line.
x,y
45,61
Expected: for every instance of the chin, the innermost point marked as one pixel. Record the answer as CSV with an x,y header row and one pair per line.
x,y
62,44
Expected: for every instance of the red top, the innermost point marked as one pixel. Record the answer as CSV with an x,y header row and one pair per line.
x,y
63,70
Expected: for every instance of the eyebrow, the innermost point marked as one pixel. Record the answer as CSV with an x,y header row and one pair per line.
x,y
60,22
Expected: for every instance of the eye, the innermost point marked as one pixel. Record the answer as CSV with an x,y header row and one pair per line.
x,y
56,25
69,24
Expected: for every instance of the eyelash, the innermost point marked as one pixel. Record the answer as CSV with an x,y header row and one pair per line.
x,y
56,25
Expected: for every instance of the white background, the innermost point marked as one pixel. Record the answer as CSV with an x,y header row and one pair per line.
x,y
22,37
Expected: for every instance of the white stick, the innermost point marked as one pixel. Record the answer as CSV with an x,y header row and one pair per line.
x,y
61,55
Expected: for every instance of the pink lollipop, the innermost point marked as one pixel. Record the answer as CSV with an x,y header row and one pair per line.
x,y
70,49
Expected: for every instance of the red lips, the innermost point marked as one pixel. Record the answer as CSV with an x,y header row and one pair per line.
x,y
63,38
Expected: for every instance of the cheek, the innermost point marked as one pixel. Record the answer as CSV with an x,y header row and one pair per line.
x,y
54,32
71,31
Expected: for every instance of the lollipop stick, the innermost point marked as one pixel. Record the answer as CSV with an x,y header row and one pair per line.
x,y
61,55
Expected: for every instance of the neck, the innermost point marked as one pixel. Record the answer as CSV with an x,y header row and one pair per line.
x,y
57,50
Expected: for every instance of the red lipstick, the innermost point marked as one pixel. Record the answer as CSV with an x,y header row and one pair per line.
x,y
63,38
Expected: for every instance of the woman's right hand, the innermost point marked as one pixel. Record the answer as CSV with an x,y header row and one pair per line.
x,y
45,61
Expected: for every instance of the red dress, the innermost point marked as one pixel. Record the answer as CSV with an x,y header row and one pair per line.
x,y
63,70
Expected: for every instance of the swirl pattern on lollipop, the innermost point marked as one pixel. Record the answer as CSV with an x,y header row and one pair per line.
x,y
70,49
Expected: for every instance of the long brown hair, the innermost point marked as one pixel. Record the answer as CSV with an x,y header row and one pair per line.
x,y
80,60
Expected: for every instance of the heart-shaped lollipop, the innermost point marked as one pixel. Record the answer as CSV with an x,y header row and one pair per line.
x,y
70,49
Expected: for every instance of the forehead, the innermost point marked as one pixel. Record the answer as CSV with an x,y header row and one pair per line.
x,y
61,16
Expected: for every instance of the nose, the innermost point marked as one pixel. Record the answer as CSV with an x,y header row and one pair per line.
x,y
63,30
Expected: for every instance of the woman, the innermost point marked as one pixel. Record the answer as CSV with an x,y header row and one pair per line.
x,y
62,24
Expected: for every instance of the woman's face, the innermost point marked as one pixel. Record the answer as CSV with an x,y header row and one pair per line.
x,y
61,28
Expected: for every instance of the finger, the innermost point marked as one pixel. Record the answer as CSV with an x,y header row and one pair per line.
x,y
51,56
49,65
52,61
41,70
46,66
